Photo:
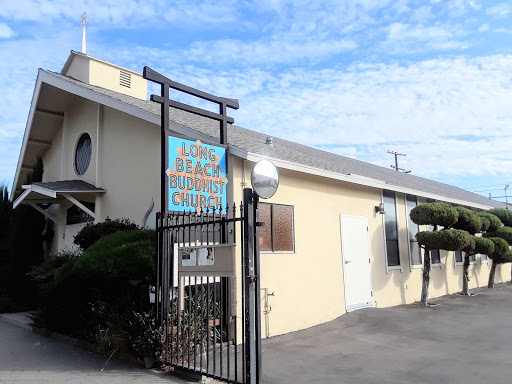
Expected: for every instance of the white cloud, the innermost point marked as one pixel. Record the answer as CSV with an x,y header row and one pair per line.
x,y
499,10
483,28
402,38
5,31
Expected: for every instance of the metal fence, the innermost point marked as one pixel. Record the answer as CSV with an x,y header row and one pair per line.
x,y
200,311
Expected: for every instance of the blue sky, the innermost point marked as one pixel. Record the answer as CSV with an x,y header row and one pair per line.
x,y
431,79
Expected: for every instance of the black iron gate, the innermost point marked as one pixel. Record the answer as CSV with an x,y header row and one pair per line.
x,y
206,330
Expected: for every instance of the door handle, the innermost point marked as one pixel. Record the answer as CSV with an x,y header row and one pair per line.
x,y
348,261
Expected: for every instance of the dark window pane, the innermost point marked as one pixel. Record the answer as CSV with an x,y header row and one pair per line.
x,y
472,258
83,154
413,228
390,215
282,220
458,257
435,256
392,250
266,230
415,253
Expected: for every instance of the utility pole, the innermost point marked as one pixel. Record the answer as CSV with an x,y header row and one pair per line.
x,y
506,197
395,167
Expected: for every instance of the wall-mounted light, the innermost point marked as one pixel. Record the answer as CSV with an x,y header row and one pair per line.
x,y
379,208
108,219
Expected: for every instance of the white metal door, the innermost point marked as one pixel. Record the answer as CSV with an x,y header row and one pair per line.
x,y
355,248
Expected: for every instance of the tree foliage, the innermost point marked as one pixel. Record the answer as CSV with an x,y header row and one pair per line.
x,y
501,252
123,255
503,214
449,240
483,245
490,222
504,233
91,233
434,214
467,220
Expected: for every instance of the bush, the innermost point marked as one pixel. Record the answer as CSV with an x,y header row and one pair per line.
x,y
124,255
501,252
490,222
503,214
111,271
483,245
504,233
449,240
91,233
434,214
467,220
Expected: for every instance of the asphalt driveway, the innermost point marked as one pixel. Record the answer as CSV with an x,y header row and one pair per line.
x,y
462,340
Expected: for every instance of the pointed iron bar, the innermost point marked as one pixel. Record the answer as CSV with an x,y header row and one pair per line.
x,y
221,301
215,325
235,314
201,336
208,325
243,293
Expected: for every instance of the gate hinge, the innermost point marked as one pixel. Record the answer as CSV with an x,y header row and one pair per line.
x,y
252,278
260,223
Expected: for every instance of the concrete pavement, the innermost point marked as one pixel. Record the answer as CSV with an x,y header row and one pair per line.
x,y
26,357
462,340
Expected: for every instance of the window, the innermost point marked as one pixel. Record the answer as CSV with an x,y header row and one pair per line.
x,y
413,229
472,259
484,259
277,233
435,257
391,229
83,154
459,258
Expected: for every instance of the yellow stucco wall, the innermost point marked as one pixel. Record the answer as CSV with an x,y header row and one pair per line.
x,y
308,283
130,156
107,76
79,68
52,158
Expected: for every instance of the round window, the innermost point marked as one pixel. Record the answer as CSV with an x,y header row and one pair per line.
x,y
83,153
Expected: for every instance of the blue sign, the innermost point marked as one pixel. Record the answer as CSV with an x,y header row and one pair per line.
x,y
197,176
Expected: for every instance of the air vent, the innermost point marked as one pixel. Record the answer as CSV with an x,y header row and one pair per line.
x,y
125,79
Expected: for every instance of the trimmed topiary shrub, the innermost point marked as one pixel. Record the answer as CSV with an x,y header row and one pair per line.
x,y
504,233
500,255
467,220
434,214
483,245
117,266
503,214
91,233
490,222
124,255
449,240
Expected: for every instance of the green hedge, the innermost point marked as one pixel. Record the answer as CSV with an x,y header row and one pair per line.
x,y
124,255
483,245
434,214
91,233
501,252
467,220
449,240
490,222
503,214
504,233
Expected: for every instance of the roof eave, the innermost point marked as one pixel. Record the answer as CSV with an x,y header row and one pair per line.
x,y
26,135
352,178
